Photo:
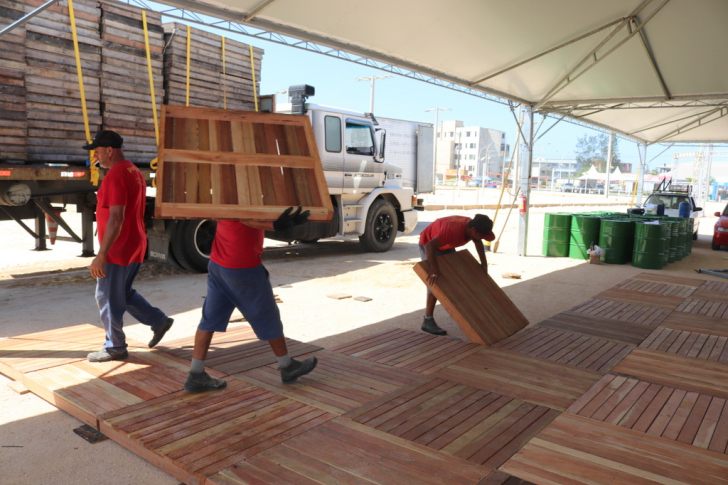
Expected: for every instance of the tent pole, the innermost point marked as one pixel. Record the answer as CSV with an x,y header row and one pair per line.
x,y
526,159
643,168
608,165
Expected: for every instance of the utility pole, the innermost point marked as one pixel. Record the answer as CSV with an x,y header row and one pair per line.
x,y
371,94
434,155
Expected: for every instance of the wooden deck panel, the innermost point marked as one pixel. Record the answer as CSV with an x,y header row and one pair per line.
x,y
414,351
704,307
686,373
714,286
606,328
689,344
236,350
622,311
341,451
643,286
688,417
569,348
530,379
476,425
339,383
477,304
671,280
696,323
652,299
578,450
502,478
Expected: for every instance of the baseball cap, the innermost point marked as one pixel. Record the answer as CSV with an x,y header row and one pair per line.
x,y
483,225
105,138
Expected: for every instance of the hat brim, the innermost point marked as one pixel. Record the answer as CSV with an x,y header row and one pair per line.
x,y
489,237
89,147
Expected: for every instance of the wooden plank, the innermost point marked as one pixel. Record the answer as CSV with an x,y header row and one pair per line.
x,y
673,280
476,303
653,300
696,323
622,311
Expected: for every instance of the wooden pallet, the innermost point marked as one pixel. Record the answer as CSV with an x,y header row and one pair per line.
x,y
704,306
415,351
715,286
477,304
697,323
606,328
670,280
502,478
646,286
225,164
689,344
656,300
527,378
688,417
643,314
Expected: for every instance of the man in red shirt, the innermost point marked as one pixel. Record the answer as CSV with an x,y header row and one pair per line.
x,y
237,278
120,224
442,237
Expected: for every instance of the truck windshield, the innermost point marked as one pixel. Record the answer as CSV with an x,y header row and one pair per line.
x,y
359,139
670,201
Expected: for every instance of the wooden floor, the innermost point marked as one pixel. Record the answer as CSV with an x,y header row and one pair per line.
x,y
629,387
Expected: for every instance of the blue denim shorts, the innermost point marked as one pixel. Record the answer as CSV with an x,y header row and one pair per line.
x,y
249,291
423,256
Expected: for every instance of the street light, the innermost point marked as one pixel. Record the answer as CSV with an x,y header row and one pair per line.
x,y
371,93
434,155
487,158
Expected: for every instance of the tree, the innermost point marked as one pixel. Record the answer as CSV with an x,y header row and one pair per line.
x,y
593,150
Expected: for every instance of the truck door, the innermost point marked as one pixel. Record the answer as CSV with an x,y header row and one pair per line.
x,y
328,129
361,172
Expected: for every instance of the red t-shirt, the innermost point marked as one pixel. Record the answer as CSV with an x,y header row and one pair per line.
x,y
123,185
450,230
237,246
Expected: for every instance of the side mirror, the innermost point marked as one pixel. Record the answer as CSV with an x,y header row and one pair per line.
x,y
380,139
717,214
697,209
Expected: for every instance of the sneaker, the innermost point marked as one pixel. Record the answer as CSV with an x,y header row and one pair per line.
x,y
107,355
159,333
429,325
297,368
202,381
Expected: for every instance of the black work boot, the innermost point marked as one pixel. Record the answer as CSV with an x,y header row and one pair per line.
x,y
202,381
297,368
159,333
429,325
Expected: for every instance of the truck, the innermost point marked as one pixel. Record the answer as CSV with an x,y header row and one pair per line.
x,y
670,196
373,199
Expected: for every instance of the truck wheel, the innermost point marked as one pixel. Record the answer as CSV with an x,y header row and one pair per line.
x,y
192,244
381,227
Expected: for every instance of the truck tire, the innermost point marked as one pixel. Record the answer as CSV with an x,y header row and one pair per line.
x,y
381,227
192,243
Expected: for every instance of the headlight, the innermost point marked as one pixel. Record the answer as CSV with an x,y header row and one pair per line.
x,y
722,229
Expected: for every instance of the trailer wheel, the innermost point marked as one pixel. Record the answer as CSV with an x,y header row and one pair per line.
x,y
192,244
381,227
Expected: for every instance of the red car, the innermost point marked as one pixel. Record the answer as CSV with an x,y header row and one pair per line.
x,y
720,232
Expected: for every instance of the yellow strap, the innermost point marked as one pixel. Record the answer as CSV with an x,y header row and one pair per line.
x,y
94,171
634,189
252,70
187,102
224,77
151,76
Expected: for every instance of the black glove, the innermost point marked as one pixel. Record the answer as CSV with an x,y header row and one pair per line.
x,y
288,220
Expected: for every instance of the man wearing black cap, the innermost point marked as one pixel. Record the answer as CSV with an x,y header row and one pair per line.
x,y
442,237
120,224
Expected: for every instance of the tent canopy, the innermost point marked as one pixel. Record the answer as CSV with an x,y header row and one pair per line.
x,y
652,70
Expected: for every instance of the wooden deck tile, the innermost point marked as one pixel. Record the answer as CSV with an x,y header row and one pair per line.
x,y
688,417
606,328
473,424
415,351
341,451
704,307
528,378
710,295
696,323
656,287
578,450
671,280
676,370
638,298
339,383
236,350
502,478
622,311
569,348
689,344
715,286
192,436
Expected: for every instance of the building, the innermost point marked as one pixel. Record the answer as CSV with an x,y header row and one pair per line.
x,y
478,152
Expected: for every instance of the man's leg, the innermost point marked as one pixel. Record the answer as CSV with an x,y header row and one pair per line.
x,y
291,369
198,380
139,308
111,300
428,323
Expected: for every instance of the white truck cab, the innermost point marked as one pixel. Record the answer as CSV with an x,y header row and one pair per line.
x,y
670,198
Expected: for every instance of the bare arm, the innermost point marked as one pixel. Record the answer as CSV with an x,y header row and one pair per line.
x,y
431,253
113,228
481,253
264,225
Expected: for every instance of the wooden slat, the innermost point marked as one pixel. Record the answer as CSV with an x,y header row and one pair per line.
x,y
655,287
576,450
628,333
471,297
690,344
622,311
501,478
653,300
697,323
669,279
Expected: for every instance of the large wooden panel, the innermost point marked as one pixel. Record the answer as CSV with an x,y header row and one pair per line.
x,y
688,417
622,311
625,332
415,351
696,323
670,280
704,306
343,452
578,450
667,289
471,297
651,299
528,378
339,383
477,425
570,348
502,478
689,344
192,436
259,165
676,371
715,286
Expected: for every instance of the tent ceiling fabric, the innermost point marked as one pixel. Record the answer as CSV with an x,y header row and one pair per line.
x,y
653,70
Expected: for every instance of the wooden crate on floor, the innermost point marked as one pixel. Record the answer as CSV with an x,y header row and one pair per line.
x,y
471,297
226,164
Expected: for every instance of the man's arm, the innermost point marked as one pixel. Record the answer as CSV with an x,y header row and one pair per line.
x,y
431,253
113,228
263,225
481,253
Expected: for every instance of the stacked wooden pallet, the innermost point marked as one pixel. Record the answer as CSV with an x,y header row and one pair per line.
x,y
125,92
209,87
13,119
55,117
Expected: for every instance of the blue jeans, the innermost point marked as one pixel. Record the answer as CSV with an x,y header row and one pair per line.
x,y
114,295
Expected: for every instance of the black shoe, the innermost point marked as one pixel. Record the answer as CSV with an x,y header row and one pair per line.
x,y
159,333
202,381
107,355
430,326
298,368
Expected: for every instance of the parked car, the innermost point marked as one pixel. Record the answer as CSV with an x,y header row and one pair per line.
x,y
720,231
567,187
598,189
